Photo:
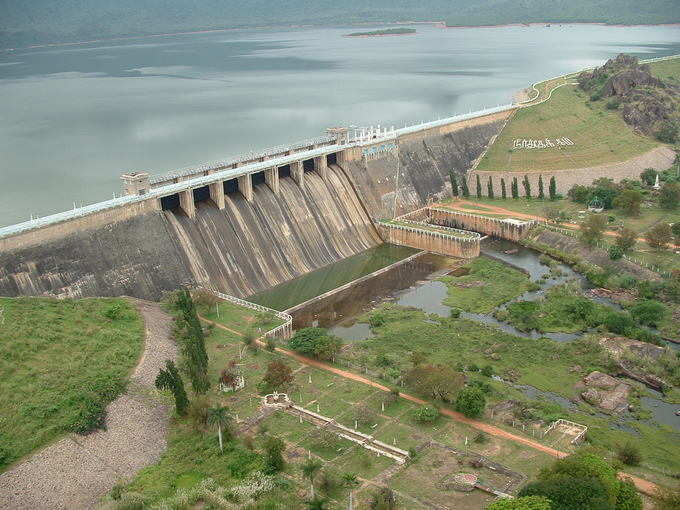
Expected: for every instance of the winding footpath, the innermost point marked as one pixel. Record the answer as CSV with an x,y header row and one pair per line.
x,y
642,485
76,471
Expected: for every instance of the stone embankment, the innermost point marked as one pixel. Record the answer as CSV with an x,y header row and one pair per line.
x,y
78,470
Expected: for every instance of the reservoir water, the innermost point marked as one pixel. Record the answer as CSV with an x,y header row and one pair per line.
x,y
75,117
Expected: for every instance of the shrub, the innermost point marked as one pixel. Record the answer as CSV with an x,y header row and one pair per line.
x,y
481,438
579,193
613,104
522,503
470,402
668,133
315,342
659,236
669,196
114,311
455,313
487,371
626,239
629,454
615,252
619,323
628,497
675,230
273,459
648,312
629,201
648,176
426,414
592,228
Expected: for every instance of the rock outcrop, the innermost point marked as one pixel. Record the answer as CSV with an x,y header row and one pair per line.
x,y
606,392
647,103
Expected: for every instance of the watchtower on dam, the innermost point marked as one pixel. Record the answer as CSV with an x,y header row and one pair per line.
x,y
248,223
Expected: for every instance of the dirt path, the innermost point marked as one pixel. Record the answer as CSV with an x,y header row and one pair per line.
x,y
500,210
642,485
77,471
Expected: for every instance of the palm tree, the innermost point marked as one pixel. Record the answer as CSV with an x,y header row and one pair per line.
x,y
220,417
310,470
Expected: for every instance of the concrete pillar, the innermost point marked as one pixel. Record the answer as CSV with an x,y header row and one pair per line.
x,y
341,157
321,166
245,186
217,193
271,177
297,172
186,202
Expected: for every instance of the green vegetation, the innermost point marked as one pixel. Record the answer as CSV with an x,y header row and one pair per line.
x,y
600,136
521,503
564,308
316,343
25,24
488,284
541,363
385,31
583,480
61,362
260,456
233,316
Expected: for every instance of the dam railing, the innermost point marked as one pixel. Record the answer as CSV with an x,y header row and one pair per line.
x,y
284,330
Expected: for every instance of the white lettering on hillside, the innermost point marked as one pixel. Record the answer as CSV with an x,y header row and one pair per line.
x,y
545,143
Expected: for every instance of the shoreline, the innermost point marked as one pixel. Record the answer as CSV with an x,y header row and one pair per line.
x,y
561,23
437,24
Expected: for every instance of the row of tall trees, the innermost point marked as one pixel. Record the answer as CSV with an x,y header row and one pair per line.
x,y
189,334
464,191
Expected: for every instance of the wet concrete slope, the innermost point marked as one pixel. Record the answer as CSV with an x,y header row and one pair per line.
x,y
136,257
418,170
249,247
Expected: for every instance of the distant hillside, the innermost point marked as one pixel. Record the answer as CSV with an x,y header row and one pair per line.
x,y
42,21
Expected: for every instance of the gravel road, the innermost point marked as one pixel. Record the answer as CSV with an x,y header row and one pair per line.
x,y
76,471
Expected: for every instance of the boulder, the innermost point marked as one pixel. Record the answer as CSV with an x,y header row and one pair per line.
x,y
600,380
606,392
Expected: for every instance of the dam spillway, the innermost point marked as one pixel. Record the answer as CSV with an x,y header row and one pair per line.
x,y
291,213
252,245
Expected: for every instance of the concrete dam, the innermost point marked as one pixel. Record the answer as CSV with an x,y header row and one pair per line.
x,y
244,225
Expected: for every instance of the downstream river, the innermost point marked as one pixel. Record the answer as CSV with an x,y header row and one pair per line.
x,y
75,117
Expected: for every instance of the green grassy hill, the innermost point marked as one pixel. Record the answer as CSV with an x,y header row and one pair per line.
x,y
61,363
40,21
599,133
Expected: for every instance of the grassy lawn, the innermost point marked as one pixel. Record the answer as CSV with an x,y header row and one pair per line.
x,y
56,356
600,136
667,70
488,284
239,318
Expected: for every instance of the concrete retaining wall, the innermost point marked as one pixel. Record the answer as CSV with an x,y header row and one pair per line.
x,y
504,229
435,242
396,182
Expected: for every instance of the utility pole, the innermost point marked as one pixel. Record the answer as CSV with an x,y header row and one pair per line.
x,y
351,506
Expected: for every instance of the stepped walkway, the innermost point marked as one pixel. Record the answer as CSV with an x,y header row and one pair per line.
x,y
76,471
